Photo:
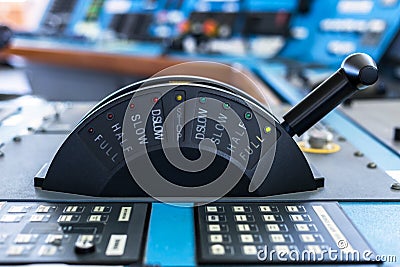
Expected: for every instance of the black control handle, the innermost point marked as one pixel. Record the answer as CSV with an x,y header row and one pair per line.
x,y
357,72
5,36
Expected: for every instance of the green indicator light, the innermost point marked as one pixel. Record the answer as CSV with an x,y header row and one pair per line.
x,y
226,105
267,129
203,100
248,116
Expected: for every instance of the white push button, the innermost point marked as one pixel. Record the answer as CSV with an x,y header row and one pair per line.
x,y
116,245
94,218
265,208
292,209
277,238
269,218
296,218
215,238
302,227
47,250
125,214
73,209
65,218
18,209
99,209
8,218
25,238
243,227
246,239
39,218
217,249
15,250
238,209
214,228
212,209
249,250
273,228
44,209
241,218
212,218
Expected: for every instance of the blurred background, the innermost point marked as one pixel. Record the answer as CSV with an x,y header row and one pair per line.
x,y
84,49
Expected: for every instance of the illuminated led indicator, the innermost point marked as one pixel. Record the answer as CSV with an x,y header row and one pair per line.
x,y
226,105
110,116
179,98
184,27
203,100
155,100
267,129
90,130
210,27
131,106
248,116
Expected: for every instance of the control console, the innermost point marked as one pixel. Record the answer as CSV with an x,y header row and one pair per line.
x,y
180,131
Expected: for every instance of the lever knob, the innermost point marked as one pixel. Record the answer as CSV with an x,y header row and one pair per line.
x,y
357,72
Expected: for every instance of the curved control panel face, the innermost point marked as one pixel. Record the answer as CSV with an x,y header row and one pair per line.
x,y
178,137
237,129
190,134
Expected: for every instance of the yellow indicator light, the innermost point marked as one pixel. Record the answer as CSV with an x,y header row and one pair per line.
x,y
179,98
267,129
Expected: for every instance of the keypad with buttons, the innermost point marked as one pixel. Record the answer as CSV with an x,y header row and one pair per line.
x,y
79,233
239,233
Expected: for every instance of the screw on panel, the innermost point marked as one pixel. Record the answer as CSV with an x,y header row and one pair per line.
x,y
17,139
372,165
358,154
395,186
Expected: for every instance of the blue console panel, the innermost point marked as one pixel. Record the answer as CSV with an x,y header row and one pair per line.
x,y
317,32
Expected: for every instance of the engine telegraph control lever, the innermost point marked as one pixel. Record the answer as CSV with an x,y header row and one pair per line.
x,y
129,138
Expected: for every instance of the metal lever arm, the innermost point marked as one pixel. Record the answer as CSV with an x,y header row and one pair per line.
x,y
357,72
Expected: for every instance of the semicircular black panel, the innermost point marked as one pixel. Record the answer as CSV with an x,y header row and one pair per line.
x,y
186,118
